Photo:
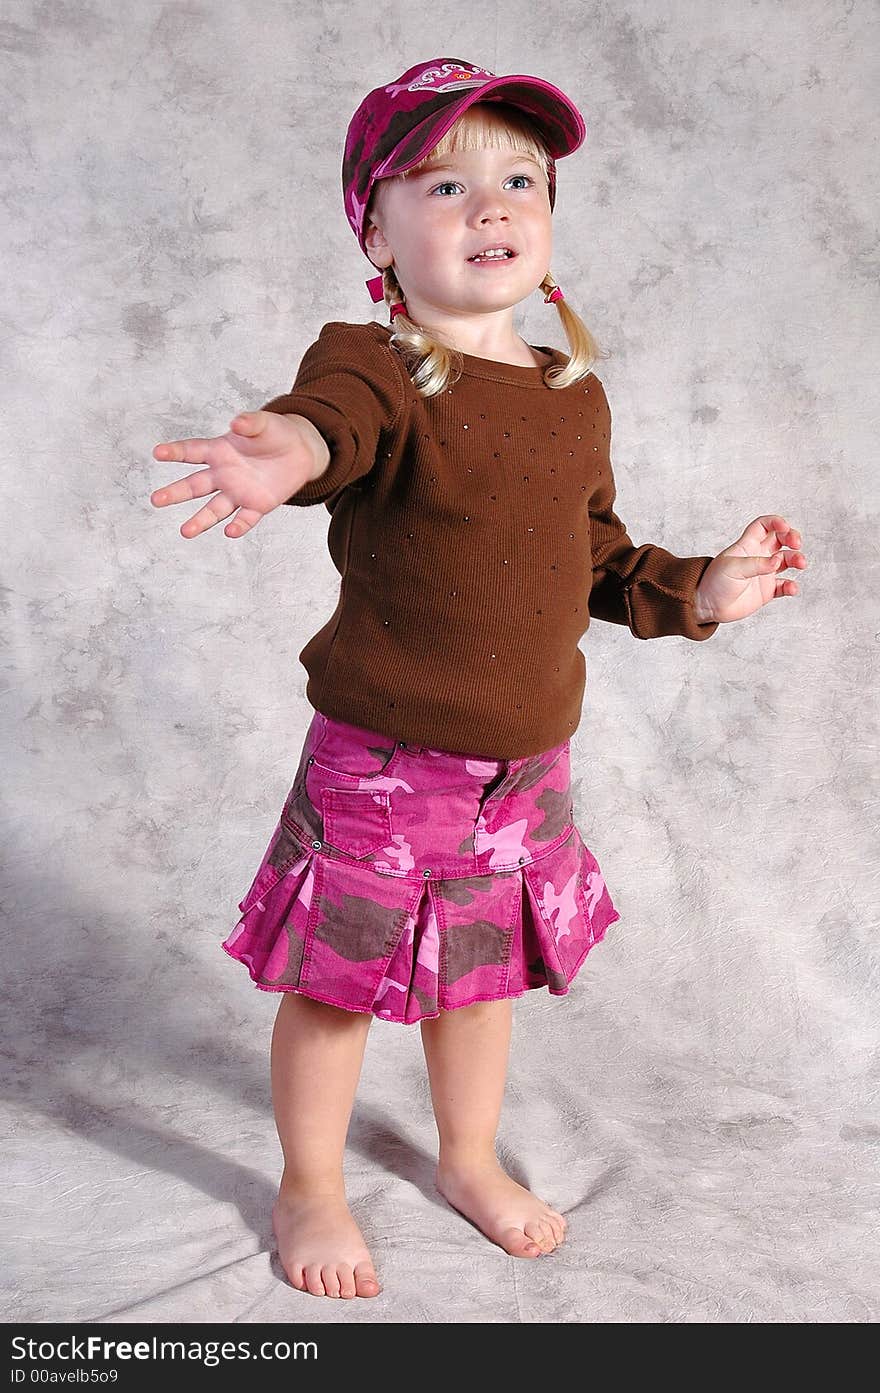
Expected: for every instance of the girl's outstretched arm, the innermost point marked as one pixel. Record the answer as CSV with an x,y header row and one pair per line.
x,y
261,460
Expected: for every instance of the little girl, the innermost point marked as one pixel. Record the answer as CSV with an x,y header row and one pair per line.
x,y
426,866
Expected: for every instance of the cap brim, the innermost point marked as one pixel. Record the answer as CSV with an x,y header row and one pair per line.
x,y
559,120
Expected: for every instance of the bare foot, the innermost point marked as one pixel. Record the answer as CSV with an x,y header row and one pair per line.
x,y
506,1212
321,1248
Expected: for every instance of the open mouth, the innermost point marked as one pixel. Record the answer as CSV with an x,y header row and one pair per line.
x,y
496,259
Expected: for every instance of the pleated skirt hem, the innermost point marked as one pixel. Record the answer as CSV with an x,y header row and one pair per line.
x,y
338,932
428,1015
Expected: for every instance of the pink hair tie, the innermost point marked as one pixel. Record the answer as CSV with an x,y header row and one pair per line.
x,y
375,287
555,294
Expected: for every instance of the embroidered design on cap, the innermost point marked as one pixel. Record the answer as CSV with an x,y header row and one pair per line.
x,y
449,77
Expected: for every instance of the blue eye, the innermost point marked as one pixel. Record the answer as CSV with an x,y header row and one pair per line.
x,y
451,183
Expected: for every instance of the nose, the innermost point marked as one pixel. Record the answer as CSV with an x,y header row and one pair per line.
x,y
488,205
489,216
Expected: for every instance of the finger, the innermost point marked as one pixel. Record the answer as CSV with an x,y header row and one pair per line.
x,y
768,532
747,567
196,485
246,423
780,561
786,587
244,520
762,564
189,451
786,559
220,507
193,451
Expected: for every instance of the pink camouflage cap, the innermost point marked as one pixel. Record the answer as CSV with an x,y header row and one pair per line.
x,y
396,126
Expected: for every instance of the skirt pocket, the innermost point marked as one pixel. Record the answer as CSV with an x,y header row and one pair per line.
x,y
357,821
342,794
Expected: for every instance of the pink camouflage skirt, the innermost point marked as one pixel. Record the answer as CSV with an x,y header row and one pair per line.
x,y
402,880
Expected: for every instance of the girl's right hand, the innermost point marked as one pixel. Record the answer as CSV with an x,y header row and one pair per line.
x,y
257,465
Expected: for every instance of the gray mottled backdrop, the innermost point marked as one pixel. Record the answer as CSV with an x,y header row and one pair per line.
x,y
703,1105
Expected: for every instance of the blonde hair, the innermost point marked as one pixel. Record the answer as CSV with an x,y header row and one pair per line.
x,y
430,362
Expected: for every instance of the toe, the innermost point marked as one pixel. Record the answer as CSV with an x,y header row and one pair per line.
x,y
366,1280
296,1278
312,1275
542,1234
347,1285
330,1278
557,1224
518,1244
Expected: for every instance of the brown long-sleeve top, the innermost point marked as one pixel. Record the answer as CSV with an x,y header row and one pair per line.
x,y
475,535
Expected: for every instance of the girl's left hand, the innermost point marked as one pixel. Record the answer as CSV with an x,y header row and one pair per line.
x,y
746,575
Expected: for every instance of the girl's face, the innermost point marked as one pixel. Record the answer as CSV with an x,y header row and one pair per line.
x,y
429,224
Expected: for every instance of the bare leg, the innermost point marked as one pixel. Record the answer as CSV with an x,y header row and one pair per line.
x,y
466,1052
317,1053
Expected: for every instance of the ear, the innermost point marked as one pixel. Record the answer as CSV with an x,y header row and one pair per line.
x,y
375,238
